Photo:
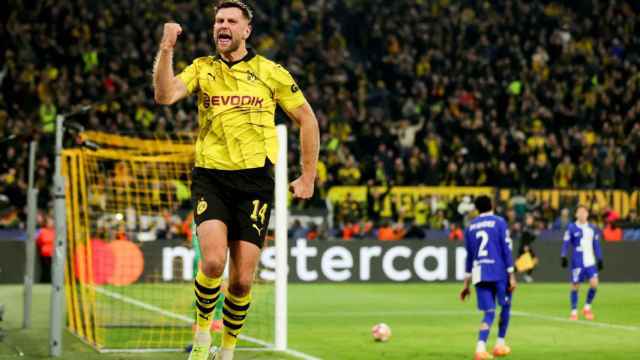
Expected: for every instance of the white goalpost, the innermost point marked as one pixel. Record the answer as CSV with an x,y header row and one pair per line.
x,y
281,241
149,312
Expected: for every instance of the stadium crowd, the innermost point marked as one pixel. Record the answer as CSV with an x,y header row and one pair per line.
x,y
409,219
511,94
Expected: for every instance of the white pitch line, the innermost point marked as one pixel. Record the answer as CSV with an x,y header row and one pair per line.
x,y
460,313
189,320
143,305
139,351
383,313
581,322
300,355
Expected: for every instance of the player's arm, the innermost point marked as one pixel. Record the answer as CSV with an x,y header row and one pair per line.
x,y
565,247
507,256
291,100
168,88
507,246
597,249
467,267
304,116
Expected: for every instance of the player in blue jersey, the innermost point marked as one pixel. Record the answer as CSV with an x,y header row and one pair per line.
x,y
586,259
489,266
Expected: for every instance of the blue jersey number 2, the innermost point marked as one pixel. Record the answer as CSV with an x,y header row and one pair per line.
x,y
484,239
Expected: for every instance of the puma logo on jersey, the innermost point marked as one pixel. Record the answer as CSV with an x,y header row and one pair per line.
x,y
259,230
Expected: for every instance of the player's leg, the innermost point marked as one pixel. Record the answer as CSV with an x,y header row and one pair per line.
x,y
573,297
244,258
591,294
213,245
504,299
212,235
212,216
250,218
485,293
216,325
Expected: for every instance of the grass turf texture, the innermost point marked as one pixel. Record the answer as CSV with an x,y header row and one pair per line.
x,y
428,322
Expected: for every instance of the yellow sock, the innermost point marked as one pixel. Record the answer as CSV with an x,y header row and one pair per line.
x,y
207,291
234,314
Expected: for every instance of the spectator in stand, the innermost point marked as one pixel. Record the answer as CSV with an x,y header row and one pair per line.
x,y
45,238
612,231
350,173
314,232
297,231
348,210
563,175
421,211
350,230
375,201
390,232
465,206
528,236
438,221
562,221
413,231
455,232
631,225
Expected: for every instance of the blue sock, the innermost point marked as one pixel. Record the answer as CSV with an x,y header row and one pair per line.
x,y
590,295
503,325
488,319
574,299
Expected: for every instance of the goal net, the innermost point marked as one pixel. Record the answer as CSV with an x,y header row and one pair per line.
x,y
130,264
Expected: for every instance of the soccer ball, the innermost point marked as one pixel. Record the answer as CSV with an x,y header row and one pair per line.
x,y
381,332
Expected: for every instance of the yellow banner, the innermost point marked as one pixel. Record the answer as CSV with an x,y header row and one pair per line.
x,y
408,196
619,200
598,200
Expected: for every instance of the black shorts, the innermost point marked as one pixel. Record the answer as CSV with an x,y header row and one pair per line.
x,y
242,199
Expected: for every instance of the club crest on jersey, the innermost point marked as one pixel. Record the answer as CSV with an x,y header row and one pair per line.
x,y
251,76
294,88
202,206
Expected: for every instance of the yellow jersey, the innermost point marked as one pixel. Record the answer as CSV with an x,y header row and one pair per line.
x,y
236,109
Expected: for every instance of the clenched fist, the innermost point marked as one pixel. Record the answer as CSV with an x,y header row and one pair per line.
x,y
302,187
170,35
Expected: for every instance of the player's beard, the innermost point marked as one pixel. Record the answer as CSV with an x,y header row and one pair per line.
x,y
233,46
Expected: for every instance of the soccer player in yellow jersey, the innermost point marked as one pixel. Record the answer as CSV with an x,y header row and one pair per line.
x,y
232,182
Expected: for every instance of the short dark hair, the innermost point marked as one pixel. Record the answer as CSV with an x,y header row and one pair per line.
x,y
238,4
483,204
584,206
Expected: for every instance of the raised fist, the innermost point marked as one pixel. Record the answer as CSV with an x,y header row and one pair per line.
x,y
170,35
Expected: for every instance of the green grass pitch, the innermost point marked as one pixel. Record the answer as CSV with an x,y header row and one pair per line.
x,y
333,321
